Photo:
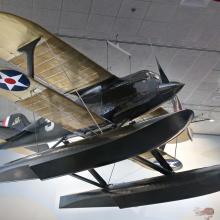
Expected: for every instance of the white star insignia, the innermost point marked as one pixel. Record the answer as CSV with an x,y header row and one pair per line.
x,y
14,81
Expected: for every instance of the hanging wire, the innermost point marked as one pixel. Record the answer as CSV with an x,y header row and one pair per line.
x,y
79,96
35,125
107,55
89,111
176,147
129,57
111,173
151,47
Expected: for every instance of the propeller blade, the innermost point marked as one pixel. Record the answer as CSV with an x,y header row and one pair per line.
x,y
177,106
190,134
179,103
162,73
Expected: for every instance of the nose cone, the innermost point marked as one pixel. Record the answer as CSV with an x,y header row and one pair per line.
x,y
171,88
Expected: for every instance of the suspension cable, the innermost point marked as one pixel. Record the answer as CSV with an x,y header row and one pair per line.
x,y
35,125
111,173
81,99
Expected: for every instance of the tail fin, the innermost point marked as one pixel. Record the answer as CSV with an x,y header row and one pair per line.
x,y
17,121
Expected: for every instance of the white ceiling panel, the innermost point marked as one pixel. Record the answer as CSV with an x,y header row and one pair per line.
x,y
208,87
82,6
199,97
140,56
154,31
205,38
160,12
176,33
46,18
188,14
128,6
98,23
18,3
195,3
216,68
213,77
124,26
203,66
73,20
106,7
180,64
169,2
214,41
20,11
47,4
71,31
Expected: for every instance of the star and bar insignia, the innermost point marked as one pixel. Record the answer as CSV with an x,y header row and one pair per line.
x,y
13,80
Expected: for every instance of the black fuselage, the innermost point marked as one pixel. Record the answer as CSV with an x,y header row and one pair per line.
x,y
120,100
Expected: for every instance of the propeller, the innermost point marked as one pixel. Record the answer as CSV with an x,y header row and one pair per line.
x,y
177,106
162,73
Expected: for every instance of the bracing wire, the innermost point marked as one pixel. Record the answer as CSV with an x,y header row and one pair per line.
x,y
35,126
111,173
176,147
89,111
81,99
129,57
107,56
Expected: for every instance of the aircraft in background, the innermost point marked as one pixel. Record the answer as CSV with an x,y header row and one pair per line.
x,y
17,131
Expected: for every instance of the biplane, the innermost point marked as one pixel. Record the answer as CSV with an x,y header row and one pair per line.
x,y
63,86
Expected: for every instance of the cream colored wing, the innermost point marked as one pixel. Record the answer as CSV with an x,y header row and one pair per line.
x,y
56,62
59,69
23,151
49,104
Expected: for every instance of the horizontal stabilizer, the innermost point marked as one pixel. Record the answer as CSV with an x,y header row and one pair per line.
x,y
6,133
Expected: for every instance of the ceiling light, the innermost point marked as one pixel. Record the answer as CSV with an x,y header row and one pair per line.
x,y
211,120
195,3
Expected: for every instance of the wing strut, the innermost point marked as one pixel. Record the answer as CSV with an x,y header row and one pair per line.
x,y
101,182
58,142
87,180
98,177
161,160
152,165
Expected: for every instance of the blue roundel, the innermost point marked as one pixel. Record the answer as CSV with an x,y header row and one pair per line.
x,y
13,80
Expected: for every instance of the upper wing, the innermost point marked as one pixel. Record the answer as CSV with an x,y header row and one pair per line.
x,y
57,64
55,61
